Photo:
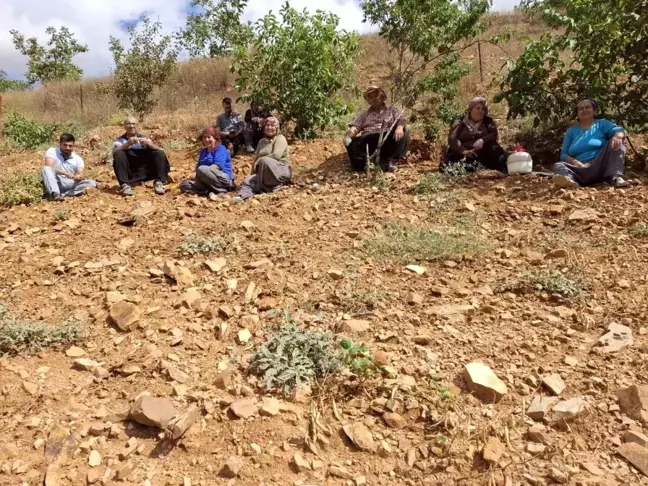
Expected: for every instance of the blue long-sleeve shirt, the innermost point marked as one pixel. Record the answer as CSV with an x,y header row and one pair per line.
x,y
584,145
220,157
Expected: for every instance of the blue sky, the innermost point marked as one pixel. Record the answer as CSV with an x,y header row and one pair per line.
x,y
94,21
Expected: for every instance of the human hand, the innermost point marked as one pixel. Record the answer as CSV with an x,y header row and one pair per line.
x,y
616,142
469,153
478,145
398,134
578,163
353,131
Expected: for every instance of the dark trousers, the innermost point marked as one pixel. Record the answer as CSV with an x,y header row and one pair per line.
x,y
491,156
142,165
237,142
392,151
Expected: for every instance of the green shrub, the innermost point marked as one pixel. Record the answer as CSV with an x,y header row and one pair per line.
x,y
293,357
300,65
62,214
437,181
357,357
405,244
27,134
639,230
31,337
21,188
195,243
553,282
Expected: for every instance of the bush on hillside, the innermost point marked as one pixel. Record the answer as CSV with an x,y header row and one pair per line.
x,y
21,188
10,84
147,65
30,337
606,42
299,66
27,134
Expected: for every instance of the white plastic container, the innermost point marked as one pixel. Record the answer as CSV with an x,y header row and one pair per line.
x,y
519,162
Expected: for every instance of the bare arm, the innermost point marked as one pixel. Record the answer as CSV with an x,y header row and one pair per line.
x,y
50,162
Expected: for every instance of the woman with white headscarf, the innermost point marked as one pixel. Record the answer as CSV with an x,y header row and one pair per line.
x,y
270,171
593,151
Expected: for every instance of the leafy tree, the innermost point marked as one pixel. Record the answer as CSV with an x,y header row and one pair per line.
x,y
10,84
52,62
597,49
147,65
299,66
425,39
216,29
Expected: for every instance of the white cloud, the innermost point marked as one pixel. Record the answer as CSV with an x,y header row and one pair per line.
x,y
94,21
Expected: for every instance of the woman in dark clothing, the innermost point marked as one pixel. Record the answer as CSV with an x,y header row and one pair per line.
x,y
473,140
255,119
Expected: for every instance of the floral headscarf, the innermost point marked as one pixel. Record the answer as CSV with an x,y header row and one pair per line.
x,y
272,121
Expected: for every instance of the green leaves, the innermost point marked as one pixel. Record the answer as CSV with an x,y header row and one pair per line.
x,y
54,61
149,62
425,39
299,66
10,84
216,29
606,42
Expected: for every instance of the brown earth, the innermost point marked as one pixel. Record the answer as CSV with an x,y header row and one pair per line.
x,y
437,428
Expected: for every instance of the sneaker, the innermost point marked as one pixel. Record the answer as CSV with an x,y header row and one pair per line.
x,y
212,196
392,166
249,148
620,182
57,197
126,190
236,200
158,187
564,181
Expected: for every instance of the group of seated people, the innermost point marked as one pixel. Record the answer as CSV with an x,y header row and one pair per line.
x,y
593,151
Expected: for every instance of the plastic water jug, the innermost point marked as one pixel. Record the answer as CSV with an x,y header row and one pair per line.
x,y
519,162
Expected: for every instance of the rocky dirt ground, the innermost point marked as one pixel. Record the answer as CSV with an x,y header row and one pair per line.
x,y
551,403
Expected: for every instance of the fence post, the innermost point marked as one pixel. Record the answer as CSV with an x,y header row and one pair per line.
x,y
481,68
81,96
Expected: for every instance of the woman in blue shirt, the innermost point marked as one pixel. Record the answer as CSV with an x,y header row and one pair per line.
x,y
593,151
214,169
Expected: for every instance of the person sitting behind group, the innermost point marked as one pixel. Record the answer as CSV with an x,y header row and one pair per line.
x,y
137,159
472,140
230,127
371,122
63,171
254,124
593,151
270,170
214,169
